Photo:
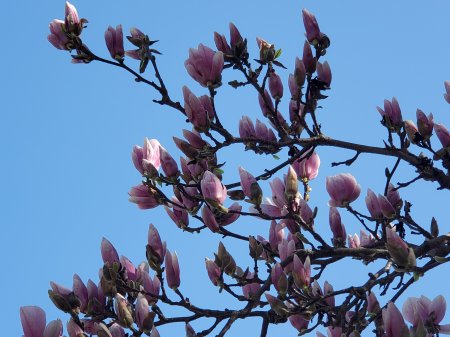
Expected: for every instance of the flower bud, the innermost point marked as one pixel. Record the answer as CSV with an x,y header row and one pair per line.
x,y
276,305
373,205
394,324
33,321
311,26
214,272
80,292
308,59
57,36
143,196
190,332
324,73
372,303
275,86
401,254
144,318
301,272
123,311
114,42
156,249
424,124
279,279
266,104
291,188
195,111
447,91
209,219
337,227
392,115
299,76
343,189
250,289
73,24
266,50
246,127
172,270
212,188
412,132
73,329
168,164
307,166
205,66
443,135
353,241
109,253
386,208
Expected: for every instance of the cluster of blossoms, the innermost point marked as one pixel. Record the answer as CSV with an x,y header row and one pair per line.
x,y
128,298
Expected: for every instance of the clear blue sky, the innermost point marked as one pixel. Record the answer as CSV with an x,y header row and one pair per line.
x,y
67,131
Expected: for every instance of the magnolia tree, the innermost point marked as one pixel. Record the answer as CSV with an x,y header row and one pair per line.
x,y
280,281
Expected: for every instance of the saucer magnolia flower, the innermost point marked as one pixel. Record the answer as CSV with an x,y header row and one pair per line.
x,y
447,91
213,271
147,159
343,189
57,36
33,323
109,253
114,42
392,114
141,196
205,66
373,205
199,110
307,167
172,270
73,24
429,313
156,249
399,250
212,188
424,124
301,272
337,227
324,73
394,324
275,86
443,134
311,26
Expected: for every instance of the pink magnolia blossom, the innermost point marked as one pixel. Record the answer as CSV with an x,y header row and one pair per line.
x,y
209,219
443,134
250,289
212,188
279,279
205,66
73,24
213,270
309,60
307,166
353,241
275,86
147,159
399,250
394,324
140,195
155,247
172,270
311,26
301,272
80,291
198,110
391,113
343,189
33,321
424,124
324,73
263,132
114,42
373,205
109,253
337,227
73,329
247,179
57,36
246,127
430,313
447,91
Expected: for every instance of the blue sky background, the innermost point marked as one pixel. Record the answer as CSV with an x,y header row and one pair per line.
x,y
67,131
